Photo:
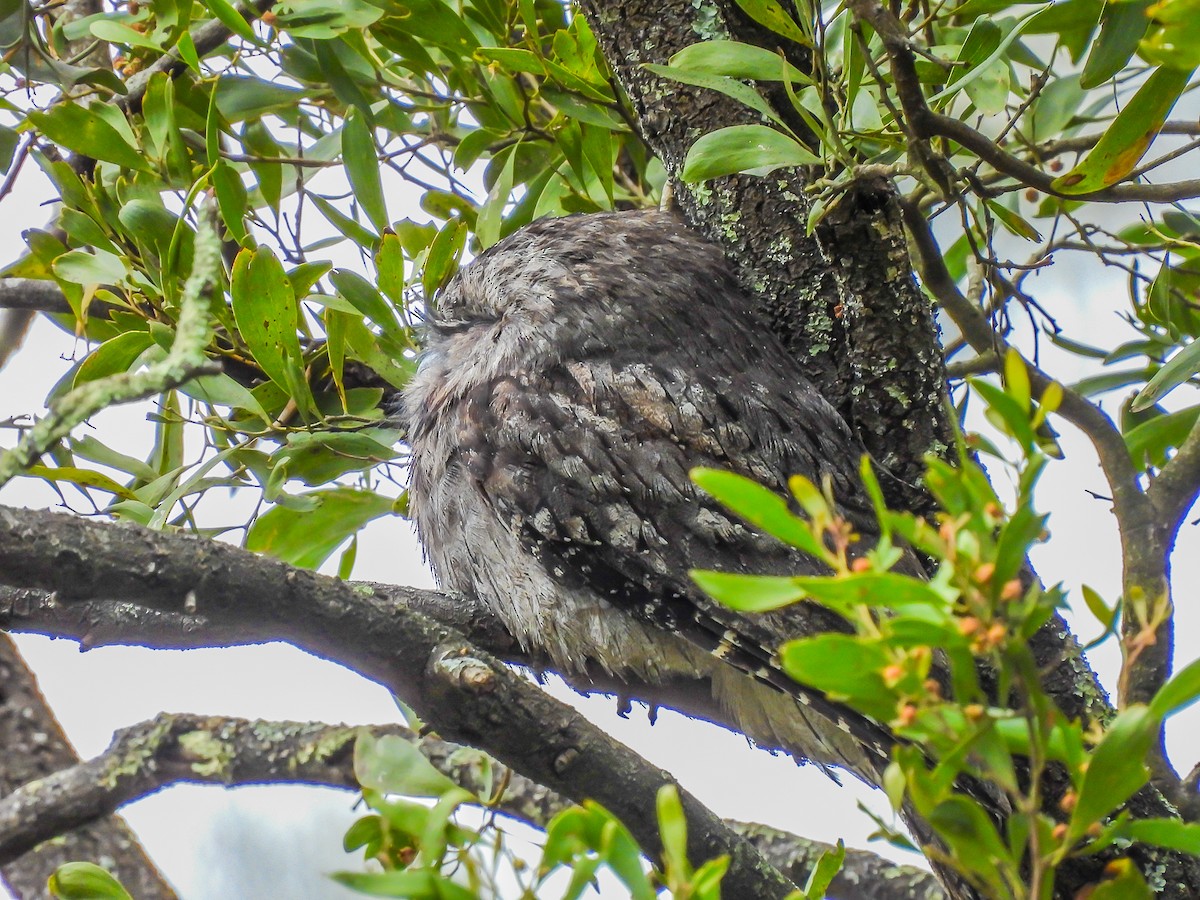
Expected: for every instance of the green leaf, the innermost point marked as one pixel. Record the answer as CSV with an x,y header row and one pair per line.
x,y
963,824
735,60
1012,417
1102,611
264,306
900,593
1178,369
1012,221
389,267
120,33
982,72
87,133
361,236
87,269
85,881
672,826
755,149
418,884
392,765
368,301
487,227
1123,882
320,457
1116,770
113,356
844,667
760,507
1149,442
442,259
1122,25
232,19
1170,833
86,478
308,537
231,199
362,168
826,869
770,15
1127,139
749,593
731,87
222,390
1174,39
1179,693
362,344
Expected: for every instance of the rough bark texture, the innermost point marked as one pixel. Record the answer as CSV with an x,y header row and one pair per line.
x,y
34,748
862,874
843,300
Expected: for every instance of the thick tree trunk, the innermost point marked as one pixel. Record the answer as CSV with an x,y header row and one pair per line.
x,y
34,747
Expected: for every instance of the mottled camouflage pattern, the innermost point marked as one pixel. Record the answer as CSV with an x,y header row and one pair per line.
x,y
573,375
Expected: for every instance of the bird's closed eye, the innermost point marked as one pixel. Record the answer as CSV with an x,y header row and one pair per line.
x,y
450,325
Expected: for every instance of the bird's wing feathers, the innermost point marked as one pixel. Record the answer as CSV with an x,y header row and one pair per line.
x,y
589,464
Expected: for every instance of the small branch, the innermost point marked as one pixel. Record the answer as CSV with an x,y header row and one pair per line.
x,y
462,691
206,39
1086,416
184,361
35,747
982,364
925,124
32,294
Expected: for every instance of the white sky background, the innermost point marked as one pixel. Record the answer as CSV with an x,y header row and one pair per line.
x,y
276,841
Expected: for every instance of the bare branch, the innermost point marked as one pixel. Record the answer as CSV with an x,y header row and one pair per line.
x,y
33,295
34,747
925,123
978,332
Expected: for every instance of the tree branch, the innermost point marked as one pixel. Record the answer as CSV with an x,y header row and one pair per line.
x,y
34,747
104,623
33,295
173,749
925,123
186,359
465,693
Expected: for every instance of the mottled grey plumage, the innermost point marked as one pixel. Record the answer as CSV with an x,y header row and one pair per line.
x,y
574,373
